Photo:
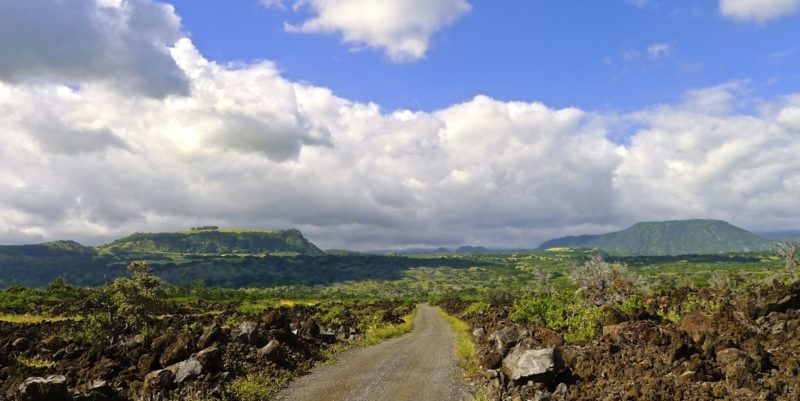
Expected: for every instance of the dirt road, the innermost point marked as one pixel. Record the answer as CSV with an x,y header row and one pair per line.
x,y
418,366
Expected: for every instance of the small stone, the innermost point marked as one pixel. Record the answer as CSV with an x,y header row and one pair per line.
x,y
479,333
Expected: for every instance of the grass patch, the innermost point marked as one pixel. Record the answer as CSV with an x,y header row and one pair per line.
x,y
255,387
35,362
378,332
33,319
465,348
252,308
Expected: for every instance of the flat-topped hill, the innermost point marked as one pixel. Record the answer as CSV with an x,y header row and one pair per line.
x,y
215,241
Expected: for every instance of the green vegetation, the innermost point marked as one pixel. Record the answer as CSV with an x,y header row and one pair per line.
x,y
134,301
566,312
465,348
35,362
94,329
215,241
682,237
260,386
378,331
33,319
691,304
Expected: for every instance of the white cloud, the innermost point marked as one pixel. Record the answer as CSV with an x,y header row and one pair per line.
x,y
401,28
758,11
659,50
119,42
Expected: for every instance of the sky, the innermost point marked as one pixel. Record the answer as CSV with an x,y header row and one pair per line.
x,y
396,123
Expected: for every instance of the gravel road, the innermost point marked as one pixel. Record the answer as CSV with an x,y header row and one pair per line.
x,y
418,366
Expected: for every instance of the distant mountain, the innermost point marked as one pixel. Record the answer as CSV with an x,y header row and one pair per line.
x,y
784,234
677,237
215,241
472,249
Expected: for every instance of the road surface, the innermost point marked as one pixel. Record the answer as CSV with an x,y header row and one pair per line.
x,y
418,366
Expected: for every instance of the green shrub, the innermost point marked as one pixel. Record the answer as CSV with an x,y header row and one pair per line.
x,y
692,303
631,305
135,301
500,297
94,329
565,312
477,307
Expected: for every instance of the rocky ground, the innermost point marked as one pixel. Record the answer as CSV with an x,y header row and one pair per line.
x,y
747,349
187,356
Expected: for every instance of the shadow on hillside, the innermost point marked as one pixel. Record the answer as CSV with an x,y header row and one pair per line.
x,y
268,271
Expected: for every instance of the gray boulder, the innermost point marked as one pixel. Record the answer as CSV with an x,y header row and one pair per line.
x,y
51,388
186,370
534,364
246,334
508,337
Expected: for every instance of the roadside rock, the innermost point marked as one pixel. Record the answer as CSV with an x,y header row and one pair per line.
x,y
309,329
51,388
99,390
697,325
186,370
508,337
210,359
163,378
272,352
160,343
536,364
20,343
246,334
737,366
479,333
180,349
210,336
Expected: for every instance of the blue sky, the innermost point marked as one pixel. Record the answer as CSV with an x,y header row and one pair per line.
x,y
585,53
374,124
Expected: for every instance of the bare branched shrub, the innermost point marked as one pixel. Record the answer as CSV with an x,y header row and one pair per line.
x,y
604,282
540,282
789,252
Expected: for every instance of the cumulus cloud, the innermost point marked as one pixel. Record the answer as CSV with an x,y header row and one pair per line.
x,y
124,43
687,162
758,11
401,28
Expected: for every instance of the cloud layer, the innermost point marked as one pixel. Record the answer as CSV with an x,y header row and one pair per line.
x,y
241,145
119,43
401,28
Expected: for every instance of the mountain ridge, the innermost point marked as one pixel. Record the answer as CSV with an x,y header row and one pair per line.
x,y
671,237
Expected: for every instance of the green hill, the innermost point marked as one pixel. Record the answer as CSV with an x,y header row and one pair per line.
x,y
677,237
215,241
